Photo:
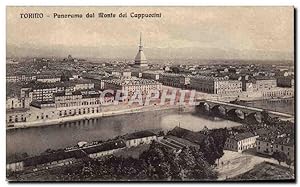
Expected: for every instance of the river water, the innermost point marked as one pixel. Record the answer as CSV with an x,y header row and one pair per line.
x,y
36,140
282,105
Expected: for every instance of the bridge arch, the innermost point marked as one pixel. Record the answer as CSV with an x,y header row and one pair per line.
x,y
218,110
203,107
236,114
254,117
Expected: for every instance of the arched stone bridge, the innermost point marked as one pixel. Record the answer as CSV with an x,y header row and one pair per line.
x,y
219,108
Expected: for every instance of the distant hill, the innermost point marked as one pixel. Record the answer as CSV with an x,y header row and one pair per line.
x,y
129,52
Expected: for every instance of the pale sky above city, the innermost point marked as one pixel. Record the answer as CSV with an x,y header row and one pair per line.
x,y
208,32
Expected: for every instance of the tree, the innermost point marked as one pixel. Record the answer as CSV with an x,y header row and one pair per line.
x,y
25,155
210,150
157,166
187,162
220,136
195,166
156,163
279,156
289,162
175,167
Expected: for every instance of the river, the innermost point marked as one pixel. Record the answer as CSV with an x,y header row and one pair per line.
x,y
37,139
278,105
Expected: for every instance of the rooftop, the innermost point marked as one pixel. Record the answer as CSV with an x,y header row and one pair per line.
x,y
17,110
201,77
123,82
173,75
195,137
105,146
75,153
43,85
51,157
242,136
140,134
285,140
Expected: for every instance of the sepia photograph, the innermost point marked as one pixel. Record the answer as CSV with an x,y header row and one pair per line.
x,y
150,93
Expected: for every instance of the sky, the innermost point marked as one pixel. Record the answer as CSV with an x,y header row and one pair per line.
x,y
181,32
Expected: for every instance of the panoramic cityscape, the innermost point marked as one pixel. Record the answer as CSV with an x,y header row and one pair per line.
x,y
178,113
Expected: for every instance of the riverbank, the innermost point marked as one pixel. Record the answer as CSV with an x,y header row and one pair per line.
x,y
58,121
35,140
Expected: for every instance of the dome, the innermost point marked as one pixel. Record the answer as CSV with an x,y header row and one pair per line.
x,y
140,57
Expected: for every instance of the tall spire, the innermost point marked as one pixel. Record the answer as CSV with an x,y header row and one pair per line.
x,y
140,38
140,59
141,46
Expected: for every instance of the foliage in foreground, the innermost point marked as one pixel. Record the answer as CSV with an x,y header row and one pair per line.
x,y
157,163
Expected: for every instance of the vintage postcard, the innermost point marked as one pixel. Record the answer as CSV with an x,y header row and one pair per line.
x,y
150,94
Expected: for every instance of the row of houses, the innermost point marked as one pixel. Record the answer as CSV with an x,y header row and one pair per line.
x,y
54,100
71,104
223,85
46,78
41,91
44,91
262,141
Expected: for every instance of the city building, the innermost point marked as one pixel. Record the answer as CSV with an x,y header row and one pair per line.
x,y
137,74
240,142
285,81
45,161
150,75
138,138
269,145
20,78
67,100
15,166
119,73
43,104
106,148
132,85
16,102
48,78
114,72
64,104
17,115
73,155
278,93
84,102
126,74
215,85
175,80
257,84
81,84
44,91
188,137
81,98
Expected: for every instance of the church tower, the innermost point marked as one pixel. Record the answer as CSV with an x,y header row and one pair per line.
x,y
140,59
